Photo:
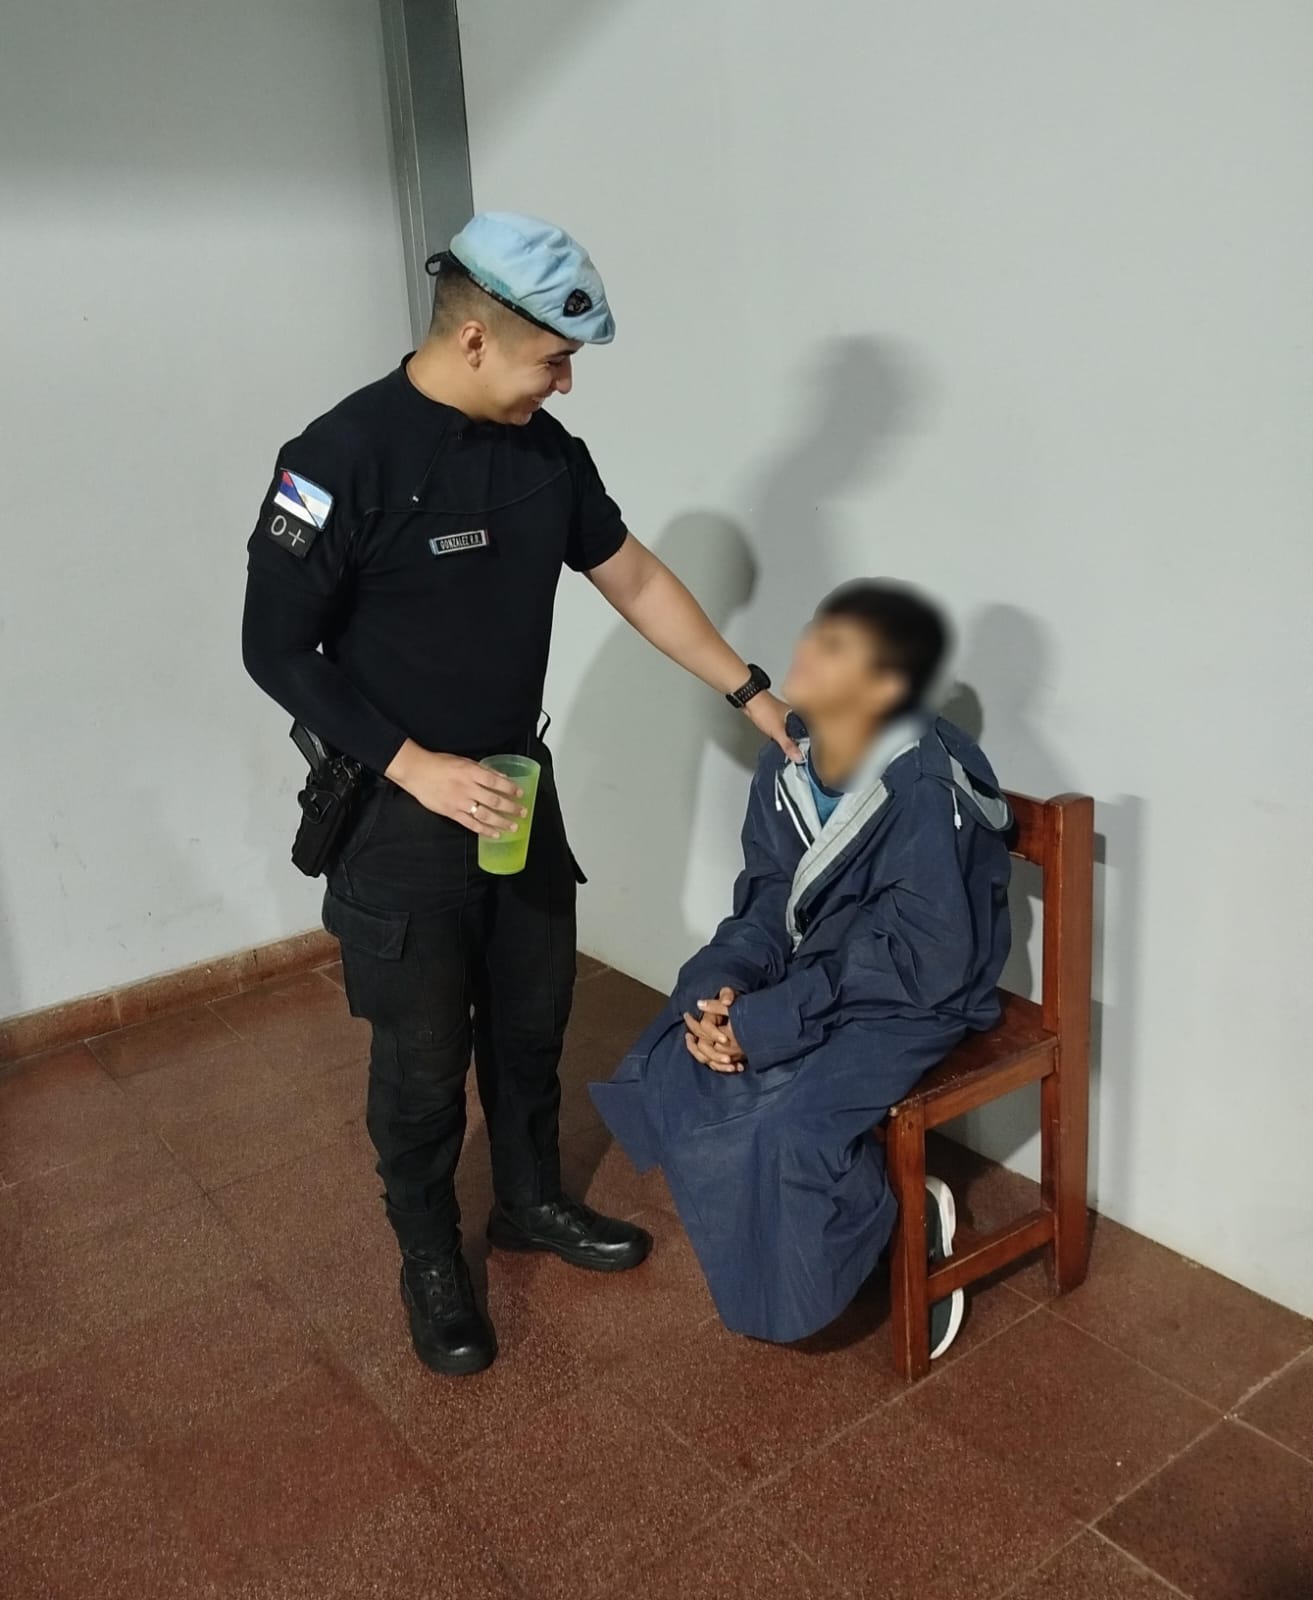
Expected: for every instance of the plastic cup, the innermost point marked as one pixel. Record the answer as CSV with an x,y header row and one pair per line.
x,y
508,854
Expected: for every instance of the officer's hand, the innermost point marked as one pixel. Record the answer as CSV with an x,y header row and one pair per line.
x,y
480,800
768,712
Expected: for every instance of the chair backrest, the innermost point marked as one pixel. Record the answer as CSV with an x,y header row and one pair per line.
x,y
1057,836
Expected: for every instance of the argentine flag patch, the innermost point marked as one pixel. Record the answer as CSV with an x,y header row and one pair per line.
x,y
301,498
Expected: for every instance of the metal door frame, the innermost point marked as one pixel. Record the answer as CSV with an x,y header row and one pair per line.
x,y
430,141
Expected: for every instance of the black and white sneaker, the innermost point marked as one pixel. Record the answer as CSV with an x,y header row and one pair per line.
x,y
940,1226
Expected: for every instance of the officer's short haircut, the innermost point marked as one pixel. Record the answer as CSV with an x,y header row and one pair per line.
x,y
457,299
908,632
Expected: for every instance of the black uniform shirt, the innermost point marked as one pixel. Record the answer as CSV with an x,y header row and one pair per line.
x,y
422,551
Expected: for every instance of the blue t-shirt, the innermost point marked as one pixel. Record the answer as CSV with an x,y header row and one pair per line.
x,y
826,799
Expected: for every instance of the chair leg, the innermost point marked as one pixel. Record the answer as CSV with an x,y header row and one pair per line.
x,y
910,1308
1065,1144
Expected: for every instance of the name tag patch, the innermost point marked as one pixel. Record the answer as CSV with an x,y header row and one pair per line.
x,y
451,544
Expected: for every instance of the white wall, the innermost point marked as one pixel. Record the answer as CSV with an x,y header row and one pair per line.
x,y
199,251
1014,300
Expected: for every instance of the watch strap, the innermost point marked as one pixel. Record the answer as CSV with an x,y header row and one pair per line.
x,y
758,681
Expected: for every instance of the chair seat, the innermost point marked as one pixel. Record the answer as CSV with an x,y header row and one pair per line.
x,y
1018,1049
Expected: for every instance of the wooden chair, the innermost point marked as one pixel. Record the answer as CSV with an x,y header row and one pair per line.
x,y
1048,1042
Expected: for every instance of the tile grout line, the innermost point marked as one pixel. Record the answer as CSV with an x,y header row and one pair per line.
x,y
147,1443
326,1348
756,1485
839,1587
276,1165
1049,1555
733,1502
1091,1525
1290,1449
1154,1473
209,1006
1140,1565
1271,1378
1135,1361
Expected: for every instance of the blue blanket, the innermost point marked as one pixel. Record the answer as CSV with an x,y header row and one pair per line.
x,y
862,950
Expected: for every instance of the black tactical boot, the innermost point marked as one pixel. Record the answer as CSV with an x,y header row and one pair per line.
x,y
450,1332
571,1230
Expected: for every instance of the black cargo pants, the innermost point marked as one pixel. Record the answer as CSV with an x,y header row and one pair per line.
x,y
439,957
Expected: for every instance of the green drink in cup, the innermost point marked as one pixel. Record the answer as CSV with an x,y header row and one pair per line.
x,y
509,853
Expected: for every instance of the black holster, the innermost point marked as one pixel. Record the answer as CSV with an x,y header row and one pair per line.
x,y
328,803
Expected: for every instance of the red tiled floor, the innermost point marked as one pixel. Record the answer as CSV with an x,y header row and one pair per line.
x,y
596,1169
223,1145
613,1010
333,972
114,1536
585,1060
1078,1420
317,1226
92,1196
180,1036
58,1108
143,1381
580,1493
614,1316
409,1548
1090,1568
704,1383
291,1469
1283,1409
1230,1519
57,1426
903,1509
213,1393
300,1024
1199,1329
441,1420
739,1557
202,1357
220,1080
101,1284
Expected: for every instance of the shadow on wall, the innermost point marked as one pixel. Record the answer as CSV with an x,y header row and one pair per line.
x,y
866,396
631,751
1006,661
633,746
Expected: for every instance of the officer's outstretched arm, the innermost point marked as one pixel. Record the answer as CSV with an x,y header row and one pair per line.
x,y
649,596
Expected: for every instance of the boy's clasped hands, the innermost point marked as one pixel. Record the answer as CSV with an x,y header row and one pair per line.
x,y
710,1037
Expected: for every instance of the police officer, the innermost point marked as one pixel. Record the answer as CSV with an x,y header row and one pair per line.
x,y
401,583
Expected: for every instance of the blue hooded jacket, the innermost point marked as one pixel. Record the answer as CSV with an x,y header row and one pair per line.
x,y
862,951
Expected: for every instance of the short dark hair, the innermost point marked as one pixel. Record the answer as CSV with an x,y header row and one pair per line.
x,y
909,632
457,299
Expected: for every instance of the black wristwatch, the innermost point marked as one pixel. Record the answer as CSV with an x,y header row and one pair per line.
x,y
757,681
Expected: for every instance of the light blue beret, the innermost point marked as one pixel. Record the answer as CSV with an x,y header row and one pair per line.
x,y
538,270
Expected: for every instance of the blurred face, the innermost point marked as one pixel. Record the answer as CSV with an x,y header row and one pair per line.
x,y
837,672
520,369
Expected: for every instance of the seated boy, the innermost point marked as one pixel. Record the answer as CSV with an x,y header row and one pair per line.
x,y
869,929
